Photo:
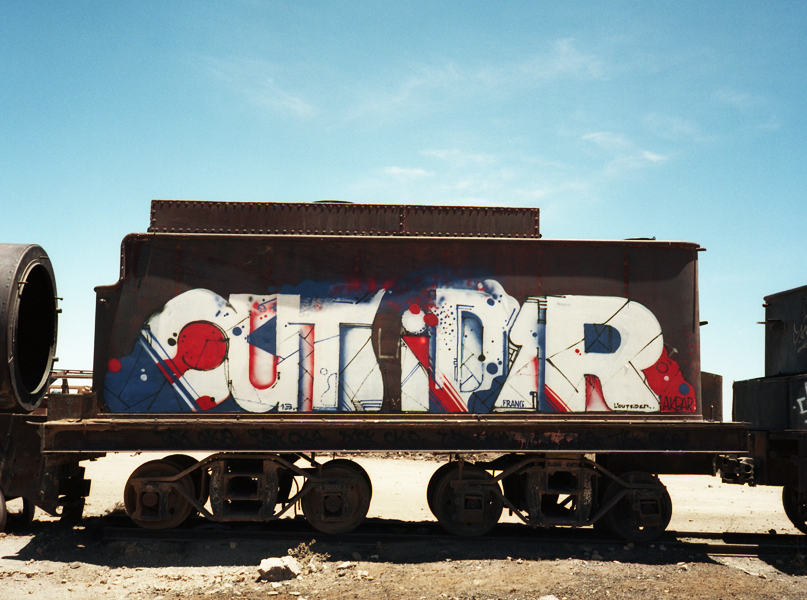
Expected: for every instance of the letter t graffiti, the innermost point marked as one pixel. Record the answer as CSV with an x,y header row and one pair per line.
x,y
801,401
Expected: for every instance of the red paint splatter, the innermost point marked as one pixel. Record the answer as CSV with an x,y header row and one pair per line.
x,y
554,401
262,365
114,365
668,383
201,346
431,320
595,400
446,396
414,309
419,345
205,402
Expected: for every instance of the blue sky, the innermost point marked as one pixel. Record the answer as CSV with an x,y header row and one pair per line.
x,y
679,120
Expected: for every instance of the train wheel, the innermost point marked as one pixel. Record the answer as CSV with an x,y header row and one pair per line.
x,y
23,518
3,512
341,504
796,511
469,510
434,482
184,462
176,505
640,515
349,464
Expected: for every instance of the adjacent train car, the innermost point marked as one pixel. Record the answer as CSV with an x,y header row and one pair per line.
x,y
775,407
269,333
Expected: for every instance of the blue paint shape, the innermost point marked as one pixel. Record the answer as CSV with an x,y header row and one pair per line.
x,y
483,402
265,336
125,391
684,389
601,338
492,368
236,331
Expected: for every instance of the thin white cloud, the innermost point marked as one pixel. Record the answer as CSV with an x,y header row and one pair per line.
x,y
530,194
631,162
425,88
458,176
652,156
405,95
743,101
254,81
772,124
564,60
459,158
625,154
406,172
608,140
670,127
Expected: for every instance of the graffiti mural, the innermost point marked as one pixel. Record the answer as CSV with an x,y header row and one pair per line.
x,y
463,347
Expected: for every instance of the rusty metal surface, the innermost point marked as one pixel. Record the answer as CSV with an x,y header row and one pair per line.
x,y
661,276
71,406
28,326
332,218
712,388
786,333
780,457
20,457
775,403
327,433
26,472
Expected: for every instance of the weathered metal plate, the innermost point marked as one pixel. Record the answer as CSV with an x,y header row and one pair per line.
x,y
250,324
354,433
775,403
712,393
786,333
761,402
327,218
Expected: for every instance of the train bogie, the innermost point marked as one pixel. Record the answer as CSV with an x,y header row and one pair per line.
x,y
334,496
542,491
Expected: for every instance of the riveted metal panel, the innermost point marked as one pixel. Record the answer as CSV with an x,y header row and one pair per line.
x,y
339,218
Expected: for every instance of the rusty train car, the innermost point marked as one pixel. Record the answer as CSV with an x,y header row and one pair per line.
x,y
775,408
271,334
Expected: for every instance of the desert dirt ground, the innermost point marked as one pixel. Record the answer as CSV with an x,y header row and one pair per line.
x,y
48,561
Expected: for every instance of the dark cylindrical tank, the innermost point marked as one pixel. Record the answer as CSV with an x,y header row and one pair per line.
x,y
28,325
